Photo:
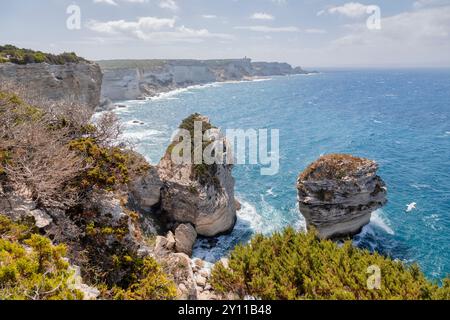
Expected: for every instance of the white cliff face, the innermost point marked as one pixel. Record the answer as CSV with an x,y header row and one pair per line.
x,y
79,82
338,193
129,79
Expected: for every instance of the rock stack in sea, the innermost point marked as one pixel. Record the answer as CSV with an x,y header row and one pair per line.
x,y
199,194
338,193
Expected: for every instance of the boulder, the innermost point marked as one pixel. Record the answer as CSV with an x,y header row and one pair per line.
x,y
185,236
171,242
338,193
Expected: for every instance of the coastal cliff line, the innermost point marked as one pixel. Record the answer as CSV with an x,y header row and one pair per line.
x,y
82,217
139,79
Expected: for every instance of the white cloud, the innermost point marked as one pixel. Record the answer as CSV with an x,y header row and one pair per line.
x,y
138,27
350,9
110,2
429,3
209,16
114,2
315,31
268,29
154,29
168,4
404,38
415,27
262,16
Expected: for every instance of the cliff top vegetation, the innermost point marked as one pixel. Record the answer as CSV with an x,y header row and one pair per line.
x,y
10,53
333,166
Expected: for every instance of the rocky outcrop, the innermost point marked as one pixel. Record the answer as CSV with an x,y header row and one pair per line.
x,y
267,69
79,82
145,190
137,79
202,195
178,265
338,193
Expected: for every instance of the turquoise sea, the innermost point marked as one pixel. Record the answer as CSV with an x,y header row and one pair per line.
x,y
400,118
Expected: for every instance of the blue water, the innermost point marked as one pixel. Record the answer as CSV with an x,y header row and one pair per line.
x,y
401,119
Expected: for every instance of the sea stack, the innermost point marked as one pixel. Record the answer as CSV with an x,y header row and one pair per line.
x,y
199,194
338,193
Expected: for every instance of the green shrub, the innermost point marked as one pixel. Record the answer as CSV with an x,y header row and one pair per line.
x,y
333,166
31,267
20,111
291,265
108,166
150,283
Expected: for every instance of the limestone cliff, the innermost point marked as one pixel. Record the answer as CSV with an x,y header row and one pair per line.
x,y
137,79
80,82
338,193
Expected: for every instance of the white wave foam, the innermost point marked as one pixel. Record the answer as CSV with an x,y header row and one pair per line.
x,y
248,222
140,135
249,214
261,79
379,221
433,222
171,95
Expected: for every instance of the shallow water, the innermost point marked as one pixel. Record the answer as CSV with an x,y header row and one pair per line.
x,y
399,118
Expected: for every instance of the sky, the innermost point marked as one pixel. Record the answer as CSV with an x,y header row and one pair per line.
x,y
308,33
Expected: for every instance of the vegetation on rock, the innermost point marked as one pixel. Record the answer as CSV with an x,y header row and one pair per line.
x,y
291,265
333,166
149,283
204,173
9,53
53,156
58,155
